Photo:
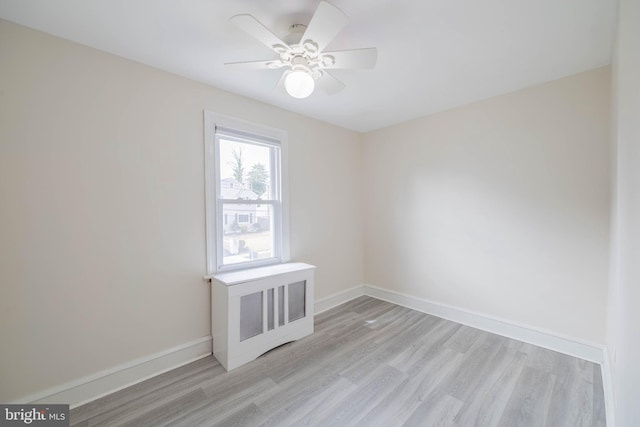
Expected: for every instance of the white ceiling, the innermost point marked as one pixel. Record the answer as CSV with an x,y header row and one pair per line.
x,y
432,54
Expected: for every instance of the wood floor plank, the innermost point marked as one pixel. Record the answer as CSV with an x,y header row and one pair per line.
x,y
140,395
220,404
375,387
415,353
437,411
530,400
480,357
247,416
599,417
308,411
388,343
158,413
462,340
576,385
131,406
488,405
370,363
406,398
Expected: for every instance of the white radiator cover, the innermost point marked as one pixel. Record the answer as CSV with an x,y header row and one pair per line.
x,y
256,310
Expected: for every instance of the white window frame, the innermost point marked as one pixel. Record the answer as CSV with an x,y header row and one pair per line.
x,y
214,217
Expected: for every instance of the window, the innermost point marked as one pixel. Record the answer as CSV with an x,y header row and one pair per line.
x,y
245,192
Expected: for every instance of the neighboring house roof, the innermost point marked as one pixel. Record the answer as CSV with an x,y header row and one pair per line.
x,y
232,189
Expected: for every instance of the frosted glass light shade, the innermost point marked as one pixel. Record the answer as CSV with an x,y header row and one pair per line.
x,y
299,84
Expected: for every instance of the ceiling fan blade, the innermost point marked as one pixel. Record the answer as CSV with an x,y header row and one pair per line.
x,y
264,35
270,64
355,58
329,84
325,24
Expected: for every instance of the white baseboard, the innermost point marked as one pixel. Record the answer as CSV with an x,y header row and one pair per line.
x,y
91,387
571,346
582,349
607,385
326,303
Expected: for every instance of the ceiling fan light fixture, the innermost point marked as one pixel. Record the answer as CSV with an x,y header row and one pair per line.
x,y
299,83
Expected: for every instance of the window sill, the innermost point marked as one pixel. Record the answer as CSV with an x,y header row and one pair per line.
x,y
249,274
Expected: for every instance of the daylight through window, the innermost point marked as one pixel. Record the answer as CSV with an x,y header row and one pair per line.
x,y
248,198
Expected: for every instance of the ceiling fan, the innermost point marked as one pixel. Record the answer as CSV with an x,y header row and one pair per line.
x,y
303,56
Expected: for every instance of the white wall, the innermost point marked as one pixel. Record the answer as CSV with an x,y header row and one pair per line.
x,y
623,332
102,246
500,207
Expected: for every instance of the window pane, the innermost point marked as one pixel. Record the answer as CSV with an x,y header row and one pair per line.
x,y
247,240
245,170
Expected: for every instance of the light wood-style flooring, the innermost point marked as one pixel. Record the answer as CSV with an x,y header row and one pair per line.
x,y
370,363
